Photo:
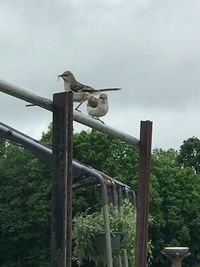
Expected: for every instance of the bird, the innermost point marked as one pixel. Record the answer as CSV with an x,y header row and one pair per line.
x,y
81,91
98,107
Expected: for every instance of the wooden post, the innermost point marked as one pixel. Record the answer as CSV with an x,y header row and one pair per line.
x,y
143,193
61,231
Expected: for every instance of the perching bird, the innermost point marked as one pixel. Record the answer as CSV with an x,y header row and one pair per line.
x,y
81,91
97,107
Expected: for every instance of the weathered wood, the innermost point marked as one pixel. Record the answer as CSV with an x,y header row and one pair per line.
x,y
143,193
61,233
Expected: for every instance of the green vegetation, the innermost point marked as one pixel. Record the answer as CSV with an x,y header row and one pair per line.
x,y
87,225
25,193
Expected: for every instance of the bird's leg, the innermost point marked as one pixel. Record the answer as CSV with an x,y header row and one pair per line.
x,y
96,118
78,106
101,121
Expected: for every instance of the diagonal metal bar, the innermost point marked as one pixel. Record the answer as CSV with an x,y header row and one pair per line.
x,y
41,151
26,95
44,153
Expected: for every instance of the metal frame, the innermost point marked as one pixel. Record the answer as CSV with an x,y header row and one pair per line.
x,y
24,94
116,188
80,170
144,145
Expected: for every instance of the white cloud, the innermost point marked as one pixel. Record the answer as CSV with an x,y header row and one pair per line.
x,y
149,48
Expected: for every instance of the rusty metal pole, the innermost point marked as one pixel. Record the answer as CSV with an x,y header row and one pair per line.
x,y
61,231
143,193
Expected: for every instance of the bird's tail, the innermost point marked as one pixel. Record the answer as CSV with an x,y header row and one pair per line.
x,y
108,89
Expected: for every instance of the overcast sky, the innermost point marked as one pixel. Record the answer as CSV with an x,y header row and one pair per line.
x,y
150,48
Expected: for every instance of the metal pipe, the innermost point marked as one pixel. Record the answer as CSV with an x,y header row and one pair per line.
x,y
116,207
104,195
130,195
107,224
115,198
42,152
105,214
79,169
24,94
90,122
125,255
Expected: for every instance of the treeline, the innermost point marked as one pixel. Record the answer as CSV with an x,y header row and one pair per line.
x,y
25,193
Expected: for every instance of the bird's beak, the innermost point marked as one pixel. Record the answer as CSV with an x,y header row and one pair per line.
x,y
60,75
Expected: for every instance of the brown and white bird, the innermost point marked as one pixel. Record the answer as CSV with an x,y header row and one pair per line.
x,y
98,107
81,91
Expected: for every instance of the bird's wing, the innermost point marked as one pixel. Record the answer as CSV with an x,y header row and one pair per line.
x,y
88,89
79,87
75,87
92,102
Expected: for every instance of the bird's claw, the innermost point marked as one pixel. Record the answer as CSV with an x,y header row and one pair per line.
x,y
96,118
78,106
77,109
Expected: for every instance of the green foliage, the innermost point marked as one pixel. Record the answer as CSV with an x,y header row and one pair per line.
x,y
107,154
25,189
174,206
24,209
87,225
128,228
47,137
190,154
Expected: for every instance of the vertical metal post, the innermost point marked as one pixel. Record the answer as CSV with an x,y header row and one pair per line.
x,y
125,255
116,207
61,228
104,194
143,193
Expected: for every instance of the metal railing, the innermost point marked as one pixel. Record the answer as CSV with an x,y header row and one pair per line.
x,y
63,116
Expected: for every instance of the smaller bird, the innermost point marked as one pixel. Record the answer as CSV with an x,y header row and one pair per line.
x,y
98,107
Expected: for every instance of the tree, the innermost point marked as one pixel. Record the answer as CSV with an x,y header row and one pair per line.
x,y
24,208
25,188
189,154
107,154
25,193
175,207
